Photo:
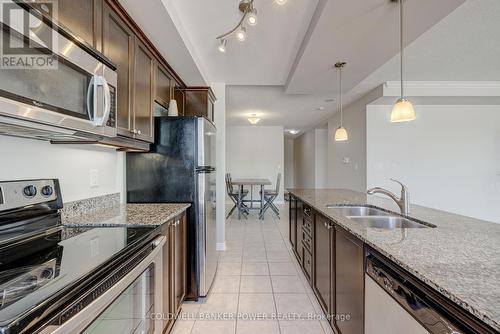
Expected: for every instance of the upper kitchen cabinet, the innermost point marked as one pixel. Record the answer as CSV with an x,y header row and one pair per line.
x,y
135,68
143,92
118,46
180,98
82,18
199,102
164,86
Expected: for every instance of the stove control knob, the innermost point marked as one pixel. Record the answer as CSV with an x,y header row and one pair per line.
x,y
47,191
29,191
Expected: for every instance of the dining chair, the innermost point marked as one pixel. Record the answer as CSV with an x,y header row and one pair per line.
x,y
234,195
270,196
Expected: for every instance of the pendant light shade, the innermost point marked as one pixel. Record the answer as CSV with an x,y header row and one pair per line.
x,y
341,132
403,109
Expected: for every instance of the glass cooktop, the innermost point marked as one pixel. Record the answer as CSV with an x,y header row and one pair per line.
x,y
37,270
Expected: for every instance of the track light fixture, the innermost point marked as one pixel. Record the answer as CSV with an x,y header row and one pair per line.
x,y
249,14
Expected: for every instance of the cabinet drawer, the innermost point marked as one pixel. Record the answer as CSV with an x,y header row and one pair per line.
x,y
307,211
307,226
307,241
307,265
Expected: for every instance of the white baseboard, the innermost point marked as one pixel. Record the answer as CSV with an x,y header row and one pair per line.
x,y
221,246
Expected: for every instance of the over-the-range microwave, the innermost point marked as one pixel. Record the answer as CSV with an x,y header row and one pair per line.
x,y
72,100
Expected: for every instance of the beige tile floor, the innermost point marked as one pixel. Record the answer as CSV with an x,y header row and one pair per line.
x,y
258,278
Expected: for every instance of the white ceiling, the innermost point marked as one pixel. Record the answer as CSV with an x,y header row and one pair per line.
x,y
275,107
265,58
293,47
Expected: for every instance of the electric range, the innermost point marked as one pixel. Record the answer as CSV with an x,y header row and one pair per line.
x,y
45,267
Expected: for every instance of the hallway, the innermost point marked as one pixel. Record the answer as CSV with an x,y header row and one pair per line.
x,y
259,287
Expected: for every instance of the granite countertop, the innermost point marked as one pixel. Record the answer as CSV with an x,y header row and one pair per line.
x,y
460,258
127,214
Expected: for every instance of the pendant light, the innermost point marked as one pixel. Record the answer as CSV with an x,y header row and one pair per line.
x,y
403,109
341,132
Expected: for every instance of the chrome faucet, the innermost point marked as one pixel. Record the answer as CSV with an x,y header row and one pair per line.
x,y
403,202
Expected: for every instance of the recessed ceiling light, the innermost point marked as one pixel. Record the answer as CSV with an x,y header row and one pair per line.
x,y
293,132
254,119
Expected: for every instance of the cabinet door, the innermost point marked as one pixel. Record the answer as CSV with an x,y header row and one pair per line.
x,y
118,46
197,103
180,97
163,86
167,290
323,262
180,262
299,235
143,92
349,282
292,227
81,18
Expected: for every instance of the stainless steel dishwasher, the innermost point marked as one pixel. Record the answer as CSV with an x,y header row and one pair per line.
x,y
396,302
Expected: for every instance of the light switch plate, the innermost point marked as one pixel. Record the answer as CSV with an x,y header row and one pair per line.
x,y
94,178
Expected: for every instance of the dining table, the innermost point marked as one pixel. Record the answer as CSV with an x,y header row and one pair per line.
x,y
241,183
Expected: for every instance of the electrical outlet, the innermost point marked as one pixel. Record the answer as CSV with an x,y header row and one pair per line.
x,y
94,178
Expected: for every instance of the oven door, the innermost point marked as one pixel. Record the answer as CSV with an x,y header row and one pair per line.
x,y
128,306
60,84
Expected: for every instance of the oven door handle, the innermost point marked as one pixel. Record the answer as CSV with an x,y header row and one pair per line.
x,y
87,315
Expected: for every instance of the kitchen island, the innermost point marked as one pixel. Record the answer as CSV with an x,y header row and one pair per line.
x,y
459,258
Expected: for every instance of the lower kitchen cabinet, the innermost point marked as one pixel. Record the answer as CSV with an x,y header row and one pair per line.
x,y
179,245
332,260
349,282
324,263
292,227
174,269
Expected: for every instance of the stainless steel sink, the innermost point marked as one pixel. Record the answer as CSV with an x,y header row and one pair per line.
x,y
357,211
387,222
376,218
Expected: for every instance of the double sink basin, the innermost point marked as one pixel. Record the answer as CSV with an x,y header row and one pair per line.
x,y
376,218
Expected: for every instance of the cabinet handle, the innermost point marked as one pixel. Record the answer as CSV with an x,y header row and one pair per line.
x,y
328,226
134,131
139,132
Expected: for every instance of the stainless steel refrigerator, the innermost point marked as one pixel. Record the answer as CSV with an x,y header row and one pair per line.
x,y
180,168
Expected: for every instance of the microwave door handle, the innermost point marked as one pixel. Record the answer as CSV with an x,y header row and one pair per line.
x,y
101,81
107,102
91,103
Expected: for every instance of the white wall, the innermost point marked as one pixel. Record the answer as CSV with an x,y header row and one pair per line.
x,y
310,159
305,163
321,158
31,159
449,157
220,122
255,152
289,164
351,175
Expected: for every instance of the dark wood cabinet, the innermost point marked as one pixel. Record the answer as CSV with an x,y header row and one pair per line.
x,y
292,226
349,282
299,235
119,47
174,269
135,68
324,263
180,279
199,101
180,98
143,90
164,86
82,18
